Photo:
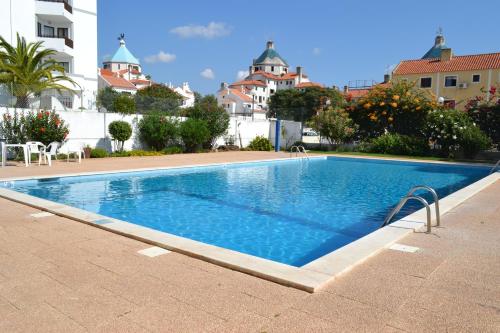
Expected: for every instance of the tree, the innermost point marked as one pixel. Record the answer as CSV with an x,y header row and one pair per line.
x,y
106,97
193,133
157,97
485,112
298,105
124,104
120,131
215,117
27,70
334,124
399,108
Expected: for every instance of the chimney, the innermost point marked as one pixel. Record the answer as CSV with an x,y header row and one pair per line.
x,y
223,85
346,89
446,54
387,78
299,73
270,44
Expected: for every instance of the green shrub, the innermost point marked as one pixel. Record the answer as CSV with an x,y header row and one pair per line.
x,y
157,130
124,104
120,131
135,153
397,144
260,143
12,128
98,153
194,132
172,150
216,118
474,140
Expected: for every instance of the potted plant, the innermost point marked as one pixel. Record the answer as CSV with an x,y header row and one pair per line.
x,y
86,151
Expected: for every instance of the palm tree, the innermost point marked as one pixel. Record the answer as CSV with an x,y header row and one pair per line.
x,y
27,69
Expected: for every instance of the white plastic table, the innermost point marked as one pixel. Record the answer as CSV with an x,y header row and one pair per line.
x,y
14,145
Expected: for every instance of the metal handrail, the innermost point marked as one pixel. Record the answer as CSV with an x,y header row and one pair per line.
x,y
403,202
298,149
436,199
494,167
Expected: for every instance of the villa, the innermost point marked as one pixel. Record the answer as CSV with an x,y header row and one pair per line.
x,y
123,73
268,73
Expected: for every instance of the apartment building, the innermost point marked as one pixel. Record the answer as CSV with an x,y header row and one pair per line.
x,y
70,28
453,79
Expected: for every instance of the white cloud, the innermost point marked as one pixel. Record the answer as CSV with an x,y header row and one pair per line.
x,y
160,57
208,74
211,30
241,75
316,51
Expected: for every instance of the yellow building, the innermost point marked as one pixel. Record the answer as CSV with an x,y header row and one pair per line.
x,y
454,78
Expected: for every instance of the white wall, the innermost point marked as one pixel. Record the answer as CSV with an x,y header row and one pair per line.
x,y
22,19
91,128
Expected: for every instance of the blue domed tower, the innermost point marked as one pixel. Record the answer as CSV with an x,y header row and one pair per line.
x,y
439,45
123,59
270,61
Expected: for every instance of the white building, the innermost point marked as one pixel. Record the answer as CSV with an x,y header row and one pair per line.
x,y
70,28
187,94
267,74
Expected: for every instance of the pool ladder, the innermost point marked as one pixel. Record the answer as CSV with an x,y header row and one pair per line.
x,y
297,150
411,196
495,167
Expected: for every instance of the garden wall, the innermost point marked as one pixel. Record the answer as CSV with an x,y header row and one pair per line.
x,y
91,128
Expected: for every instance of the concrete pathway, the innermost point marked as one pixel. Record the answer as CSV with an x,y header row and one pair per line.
x,y
58,275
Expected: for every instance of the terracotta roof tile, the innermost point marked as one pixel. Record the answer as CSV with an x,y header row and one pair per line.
x,y
241,95
308,85
118,82
456,64
248,83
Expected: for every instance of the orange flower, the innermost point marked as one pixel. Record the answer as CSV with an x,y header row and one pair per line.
x,y
382,103
384,112
417,100
42,129
394,104
418,108
367,105
390,119
395,97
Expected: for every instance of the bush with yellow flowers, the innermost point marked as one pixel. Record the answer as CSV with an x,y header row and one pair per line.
x,y
394,108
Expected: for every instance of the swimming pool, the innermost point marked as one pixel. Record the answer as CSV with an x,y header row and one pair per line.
x,y
291,211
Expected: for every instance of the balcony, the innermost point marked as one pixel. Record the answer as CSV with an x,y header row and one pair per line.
x,y
54,10
60,44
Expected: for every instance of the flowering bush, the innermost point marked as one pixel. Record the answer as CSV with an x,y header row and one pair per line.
x,y
453,130
485,112
260,143
398,108
12,127
45,127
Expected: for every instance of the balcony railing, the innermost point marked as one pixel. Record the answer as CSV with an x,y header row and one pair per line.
x,y
67,41
67,6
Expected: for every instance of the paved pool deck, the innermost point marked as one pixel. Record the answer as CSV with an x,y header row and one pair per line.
x,y
57,274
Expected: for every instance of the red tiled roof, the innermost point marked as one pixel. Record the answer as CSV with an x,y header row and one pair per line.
x,y
118,82
138,81
248,83
241,95
308,85
361,92
103,71
456,64
266,75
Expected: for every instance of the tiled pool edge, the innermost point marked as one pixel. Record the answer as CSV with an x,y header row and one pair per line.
x,y
310,277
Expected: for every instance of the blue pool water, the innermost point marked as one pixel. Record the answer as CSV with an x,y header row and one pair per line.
x,y
288,211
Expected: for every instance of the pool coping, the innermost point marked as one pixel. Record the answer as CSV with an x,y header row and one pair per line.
x,y
310,277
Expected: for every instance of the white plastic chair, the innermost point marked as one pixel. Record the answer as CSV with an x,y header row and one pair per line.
x,y
50,151
35,147
73,148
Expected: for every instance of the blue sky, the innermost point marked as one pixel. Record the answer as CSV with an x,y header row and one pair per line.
x,y
208,42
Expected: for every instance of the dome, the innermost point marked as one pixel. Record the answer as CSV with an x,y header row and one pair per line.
x,y
123,55
270,57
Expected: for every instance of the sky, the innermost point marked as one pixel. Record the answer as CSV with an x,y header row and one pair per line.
x,y
206,42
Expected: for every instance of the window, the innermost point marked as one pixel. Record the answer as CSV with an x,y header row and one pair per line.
x,y
39,28
62,32
272,68
48,31
425,82
450,81
476,78
64,64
